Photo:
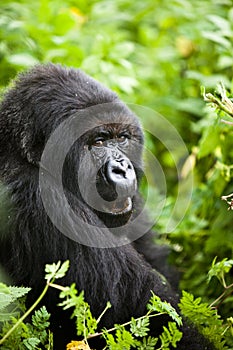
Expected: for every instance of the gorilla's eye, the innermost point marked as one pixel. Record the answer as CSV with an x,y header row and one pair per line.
x,y
123,137
98,142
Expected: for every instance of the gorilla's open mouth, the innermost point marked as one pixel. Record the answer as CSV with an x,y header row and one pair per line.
x,y
119,206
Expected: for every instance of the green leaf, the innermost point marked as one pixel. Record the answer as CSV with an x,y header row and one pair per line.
x,y
170,336
206,320
55,271
123,340
9,295
31,343
209,141
18,292
220,269
140,328
40,319
5,296
194,309
220,22
217,38
148,344
157,305
85,322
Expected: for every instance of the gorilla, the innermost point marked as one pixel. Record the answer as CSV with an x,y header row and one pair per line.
x,y
70,160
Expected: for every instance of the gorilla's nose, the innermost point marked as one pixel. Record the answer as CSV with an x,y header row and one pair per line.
x,y
120,173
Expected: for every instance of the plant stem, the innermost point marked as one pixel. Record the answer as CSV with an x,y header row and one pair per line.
x,y
57,286
27,313
123,325
222,295
101,315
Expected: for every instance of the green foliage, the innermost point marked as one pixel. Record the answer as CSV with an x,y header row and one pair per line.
x,y
15,333
85,323
140,328
170,336
35,335
133,334
220,269
163,307
147,343
123,340
30,336
205,318
195,310
8,297
55,271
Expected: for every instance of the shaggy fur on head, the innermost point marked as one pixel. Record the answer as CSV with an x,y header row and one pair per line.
x,y
31,110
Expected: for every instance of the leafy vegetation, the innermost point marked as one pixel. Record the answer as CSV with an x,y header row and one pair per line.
x,y
156,55
133,334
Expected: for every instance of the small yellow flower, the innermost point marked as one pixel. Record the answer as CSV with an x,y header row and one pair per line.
x,y
77,345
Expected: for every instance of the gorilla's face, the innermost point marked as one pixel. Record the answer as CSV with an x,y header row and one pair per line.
x,y
116,180
109,170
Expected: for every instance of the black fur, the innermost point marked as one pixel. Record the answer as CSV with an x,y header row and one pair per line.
x,y
125,275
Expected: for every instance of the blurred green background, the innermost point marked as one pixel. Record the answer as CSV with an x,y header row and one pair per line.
x,y
156,54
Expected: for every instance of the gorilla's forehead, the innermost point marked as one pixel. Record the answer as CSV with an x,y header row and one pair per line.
x,y
114,117
112,130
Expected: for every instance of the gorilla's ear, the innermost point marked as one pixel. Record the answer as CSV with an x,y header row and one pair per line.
x,y
32,143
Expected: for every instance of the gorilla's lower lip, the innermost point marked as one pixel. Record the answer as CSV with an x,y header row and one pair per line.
x,y
120,207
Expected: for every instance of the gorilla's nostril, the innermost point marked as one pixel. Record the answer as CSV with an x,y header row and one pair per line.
x,y
118,170
124,165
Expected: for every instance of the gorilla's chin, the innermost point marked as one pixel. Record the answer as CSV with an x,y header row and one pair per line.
x,y
116,213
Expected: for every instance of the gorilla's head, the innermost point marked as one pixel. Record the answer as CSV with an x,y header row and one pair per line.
x,y
109,167
101,136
